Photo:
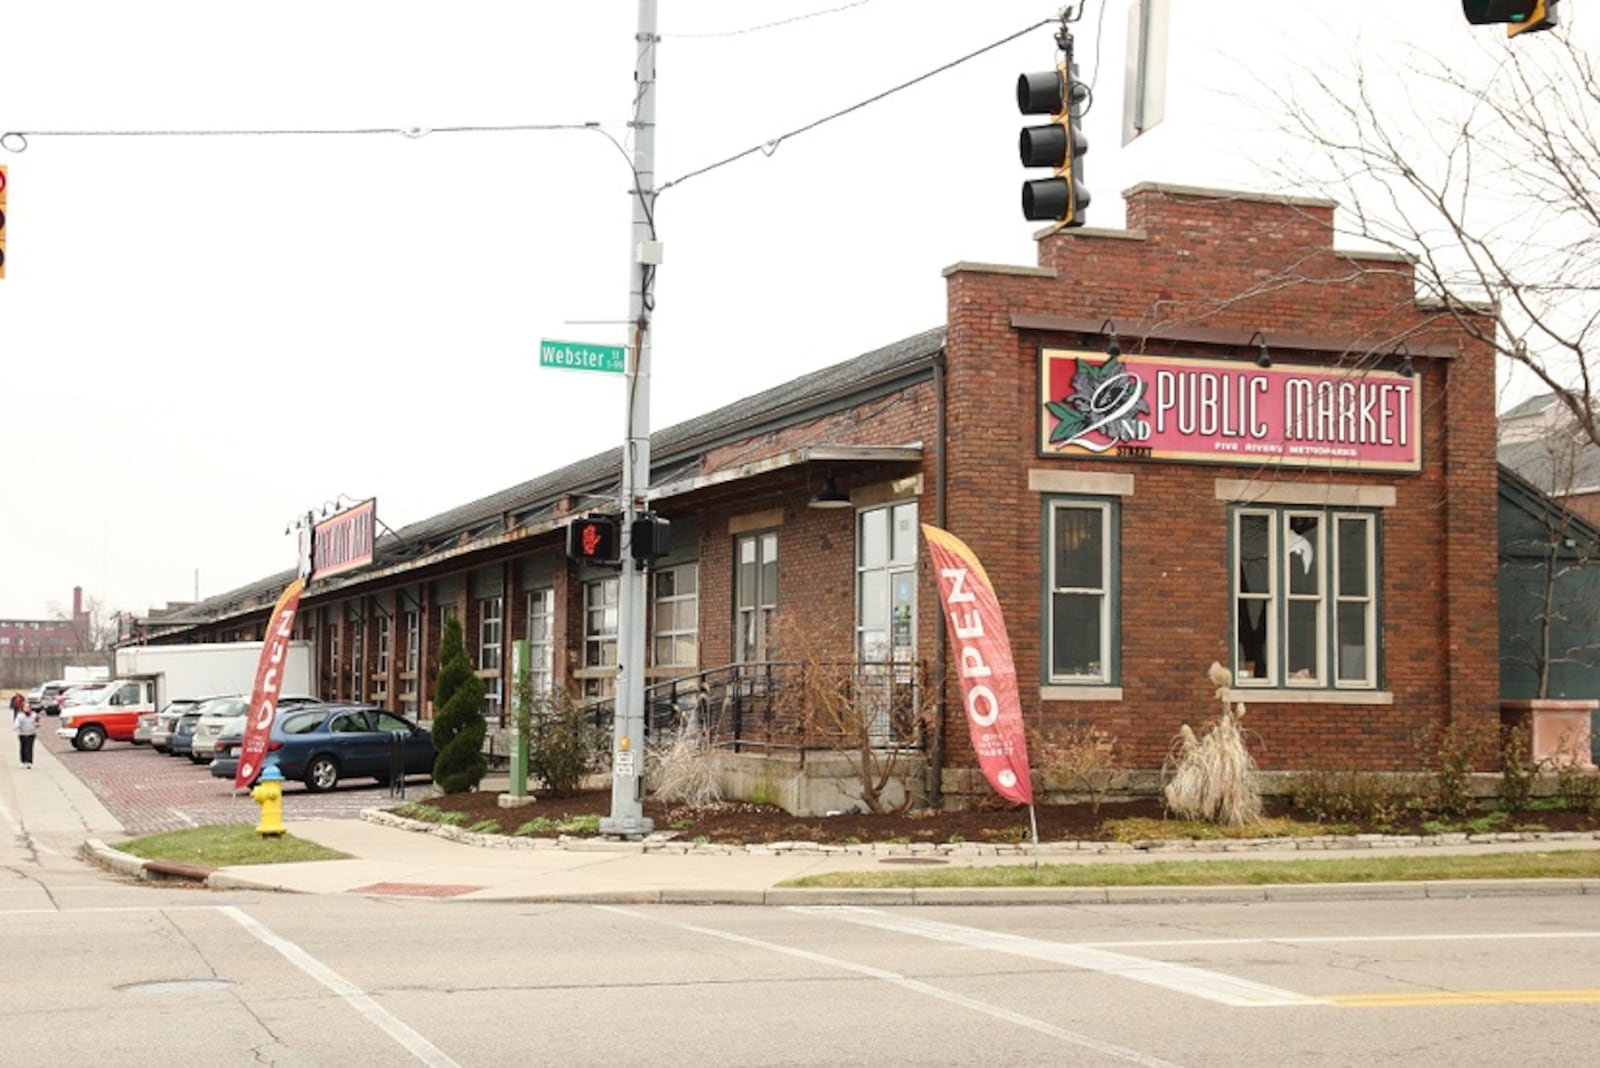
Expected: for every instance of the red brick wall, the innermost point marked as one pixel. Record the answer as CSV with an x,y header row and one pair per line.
x,y
1221,261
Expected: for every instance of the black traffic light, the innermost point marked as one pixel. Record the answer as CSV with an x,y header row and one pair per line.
x,y
594,538
1059,145
650,538
1520,16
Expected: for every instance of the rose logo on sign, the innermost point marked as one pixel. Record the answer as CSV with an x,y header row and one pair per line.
x,y
1102,409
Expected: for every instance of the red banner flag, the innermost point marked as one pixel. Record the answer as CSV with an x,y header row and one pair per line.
x,y
269,680
983,660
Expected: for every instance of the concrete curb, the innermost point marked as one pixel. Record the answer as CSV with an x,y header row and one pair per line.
x,y
97,852
122,863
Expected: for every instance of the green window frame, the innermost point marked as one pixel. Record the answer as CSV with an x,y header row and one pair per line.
x,y
1082,578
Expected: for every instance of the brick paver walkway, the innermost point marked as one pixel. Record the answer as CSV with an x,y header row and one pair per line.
x,y
150,792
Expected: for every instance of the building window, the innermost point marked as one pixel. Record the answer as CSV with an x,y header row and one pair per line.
x,y
755,594
1081,568
490,629
677,615
330,683
358,634
1305,598
412,661
541,640
380,667
600,636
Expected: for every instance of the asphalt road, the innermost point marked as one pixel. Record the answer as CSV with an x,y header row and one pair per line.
x,y
140,976
150,792
102,970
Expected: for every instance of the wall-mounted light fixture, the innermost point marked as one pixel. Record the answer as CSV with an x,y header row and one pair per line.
x,y
1404,352
830,495
1263,357
1113,346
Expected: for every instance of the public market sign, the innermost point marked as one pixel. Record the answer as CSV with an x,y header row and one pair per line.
x,y
582,356
344,541
1216,411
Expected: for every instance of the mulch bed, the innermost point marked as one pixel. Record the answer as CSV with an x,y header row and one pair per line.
x,y
742,823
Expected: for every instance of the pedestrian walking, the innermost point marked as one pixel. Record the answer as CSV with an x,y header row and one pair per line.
x,y
26,722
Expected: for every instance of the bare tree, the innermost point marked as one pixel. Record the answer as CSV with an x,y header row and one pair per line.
x,y
1487,175
94,631
877,713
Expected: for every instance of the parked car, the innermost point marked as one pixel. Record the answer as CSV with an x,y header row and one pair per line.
x,y
182,740
214,717
78,693
167,720
225,764
322,745
144,728
42,698
222,715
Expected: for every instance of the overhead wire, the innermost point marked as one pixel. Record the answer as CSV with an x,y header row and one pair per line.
x,y
767,148
767,25
17,140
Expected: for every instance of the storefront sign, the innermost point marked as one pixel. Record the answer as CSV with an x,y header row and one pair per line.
x,y
1216,411
344,541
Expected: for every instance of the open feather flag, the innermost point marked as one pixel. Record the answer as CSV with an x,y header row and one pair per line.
x,y
269,681
983,661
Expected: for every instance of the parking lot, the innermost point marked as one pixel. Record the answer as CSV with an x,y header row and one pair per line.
x,y
150,792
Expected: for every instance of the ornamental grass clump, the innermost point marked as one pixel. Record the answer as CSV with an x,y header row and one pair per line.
x,y
683,769
1214,776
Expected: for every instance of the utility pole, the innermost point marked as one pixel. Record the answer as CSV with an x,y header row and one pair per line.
x,y
627,735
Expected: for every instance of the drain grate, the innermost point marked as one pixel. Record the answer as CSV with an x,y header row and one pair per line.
x,y
914,860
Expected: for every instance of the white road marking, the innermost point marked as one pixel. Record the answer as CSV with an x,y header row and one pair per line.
x,y
184,816
915,986
1312,940
419,1047
1180,978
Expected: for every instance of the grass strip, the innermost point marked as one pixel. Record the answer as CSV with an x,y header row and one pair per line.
x,y
1558,864
227,845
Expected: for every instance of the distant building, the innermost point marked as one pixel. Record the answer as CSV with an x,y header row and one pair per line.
x,y
1541,442
47,636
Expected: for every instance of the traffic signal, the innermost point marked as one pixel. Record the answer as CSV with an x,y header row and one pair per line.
x,y
650,538
2,222
1059,145
594,538
1521,16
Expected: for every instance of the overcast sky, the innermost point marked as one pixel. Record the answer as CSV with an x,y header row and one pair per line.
x,y
202,337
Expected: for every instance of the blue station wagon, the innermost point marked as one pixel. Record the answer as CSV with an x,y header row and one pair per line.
x,y
322,745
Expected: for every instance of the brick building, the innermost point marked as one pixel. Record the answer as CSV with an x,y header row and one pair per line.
x,y
1207,437
48,637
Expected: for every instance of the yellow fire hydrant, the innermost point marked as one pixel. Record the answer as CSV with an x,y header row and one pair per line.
x,y
268,793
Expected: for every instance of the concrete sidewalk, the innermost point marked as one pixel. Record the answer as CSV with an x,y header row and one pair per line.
x,y
51,820
402,858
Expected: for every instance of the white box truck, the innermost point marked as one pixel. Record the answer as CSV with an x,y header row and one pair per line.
x,y
211,669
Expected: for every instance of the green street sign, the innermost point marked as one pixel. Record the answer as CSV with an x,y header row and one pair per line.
x,y
582,356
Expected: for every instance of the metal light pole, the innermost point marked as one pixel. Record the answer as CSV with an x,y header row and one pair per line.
x,y
627,737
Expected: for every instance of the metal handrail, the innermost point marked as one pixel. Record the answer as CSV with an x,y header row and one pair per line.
x,y
762,705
